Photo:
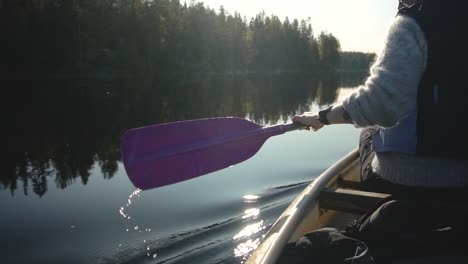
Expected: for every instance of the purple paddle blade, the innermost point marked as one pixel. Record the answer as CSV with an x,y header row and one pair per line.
x,y
167,153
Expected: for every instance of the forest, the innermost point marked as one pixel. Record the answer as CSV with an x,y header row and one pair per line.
x,y
104,39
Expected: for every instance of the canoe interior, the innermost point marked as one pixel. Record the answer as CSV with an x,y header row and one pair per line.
x,y
335,199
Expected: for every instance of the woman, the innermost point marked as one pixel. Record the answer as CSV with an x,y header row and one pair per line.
x,y
411,145
411,105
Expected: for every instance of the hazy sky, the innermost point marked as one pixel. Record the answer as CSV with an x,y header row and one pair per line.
x,y
358,24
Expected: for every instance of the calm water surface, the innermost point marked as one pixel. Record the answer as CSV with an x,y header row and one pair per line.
x,y
66,203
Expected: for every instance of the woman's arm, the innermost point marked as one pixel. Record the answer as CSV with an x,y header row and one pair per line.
x,y
390,92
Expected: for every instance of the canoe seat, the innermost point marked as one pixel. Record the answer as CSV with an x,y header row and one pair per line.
x,y
351,201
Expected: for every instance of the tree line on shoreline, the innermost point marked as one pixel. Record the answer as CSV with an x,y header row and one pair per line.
x,y
109,38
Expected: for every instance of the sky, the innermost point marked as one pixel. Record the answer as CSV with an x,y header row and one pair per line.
x,y
359,25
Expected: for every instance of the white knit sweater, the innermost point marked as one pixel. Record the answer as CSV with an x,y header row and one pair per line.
x,y
390,94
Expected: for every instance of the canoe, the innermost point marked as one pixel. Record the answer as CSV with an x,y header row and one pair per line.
x,y
333,199
307,213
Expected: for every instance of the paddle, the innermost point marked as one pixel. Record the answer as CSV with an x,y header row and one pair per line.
x,y
168,153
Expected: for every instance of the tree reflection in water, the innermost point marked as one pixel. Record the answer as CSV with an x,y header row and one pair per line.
x,y
58,130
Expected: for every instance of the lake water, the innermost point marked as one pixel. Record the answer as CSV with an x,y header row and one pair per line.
x,y
67,202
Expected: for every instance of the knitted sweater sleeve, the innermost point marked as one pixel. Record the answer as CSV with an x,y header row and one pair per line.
x,y
390,92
